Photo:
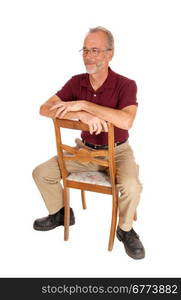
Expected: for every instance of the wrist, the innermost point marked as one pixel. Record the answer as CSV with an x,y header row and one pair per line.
x,y
84,105
79,115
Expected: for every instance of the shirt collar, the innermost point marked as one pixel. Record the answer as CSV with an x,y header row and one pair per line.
x,y
109,83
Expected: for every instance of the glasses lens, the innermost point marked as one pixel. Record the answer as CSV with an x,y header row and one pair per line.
x,y
92,51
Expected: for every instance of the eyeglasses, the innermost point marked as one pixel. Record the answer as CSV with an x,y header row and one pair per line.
x,y
93,51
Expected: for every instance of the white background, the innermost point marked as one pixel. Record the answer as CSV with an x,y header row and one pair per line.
x,y
39,53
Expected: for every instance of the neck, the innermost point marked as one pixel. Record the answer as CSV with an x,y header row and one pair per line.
x,y
98,78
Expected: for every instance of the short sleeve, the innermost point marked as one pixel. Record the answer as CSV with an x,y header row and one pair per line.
x,y
66,93
128,95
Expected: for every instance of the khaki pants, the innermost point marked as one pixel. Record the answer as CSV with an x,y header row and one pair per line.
x,y
47,178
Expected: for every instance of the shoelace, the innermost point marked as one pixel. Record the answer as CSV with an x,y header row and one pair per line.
x,y
130,234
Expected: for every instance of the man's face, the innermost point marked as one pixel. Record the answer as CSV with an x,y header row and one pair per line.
x,y
97,58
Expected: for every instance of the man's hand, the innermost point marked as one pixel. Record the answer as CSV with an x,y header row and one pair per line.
x,y
66,106
95,124
56,108
45,107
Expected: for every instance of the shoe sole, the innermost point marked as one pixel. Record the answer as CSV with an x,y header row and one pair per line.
x,y
49,228
135,256
138,256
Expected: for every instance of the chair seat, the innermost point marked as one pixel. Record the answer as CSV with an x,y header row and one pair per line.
x,y
98,178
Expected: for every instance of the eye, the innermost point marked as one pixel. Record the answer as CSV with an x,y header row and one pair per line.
x,y
85,51
95,51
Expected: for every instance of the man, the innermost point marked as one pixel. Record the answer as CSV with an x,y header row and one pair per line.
x,y
95,97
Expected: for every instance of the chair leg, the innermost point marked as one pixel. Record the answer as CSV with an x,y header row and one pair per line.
x,y
83,199
114,220
66,212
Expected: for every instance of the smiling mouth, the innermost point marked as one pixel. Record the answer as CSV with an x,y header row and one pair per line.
x,y
89,64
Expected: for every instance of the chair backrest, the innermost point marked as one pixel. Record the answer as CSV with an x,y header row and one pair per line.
x,y
84,155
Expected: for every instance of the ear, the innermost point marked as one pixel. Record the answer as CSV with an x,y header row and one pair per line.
x,y
110,54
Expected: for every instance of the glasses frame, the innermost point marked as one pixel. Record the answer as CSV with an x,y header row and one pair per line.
x,y
95,54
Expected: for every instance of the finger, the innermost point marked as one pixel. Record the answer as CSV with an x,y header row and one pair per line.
x,y
59,111
99,128
90,128
64,113
56,106
94,127
104,125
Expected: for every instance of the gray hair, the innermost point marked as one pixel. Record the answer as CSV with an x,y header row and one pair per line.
x,y
110,38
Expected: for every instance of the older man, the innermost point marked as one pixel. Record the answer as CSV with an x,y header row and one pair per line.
x,y
95,97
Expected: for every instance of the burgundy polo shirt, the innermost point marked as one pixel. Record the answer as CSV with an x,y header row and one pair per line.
x,y
116,92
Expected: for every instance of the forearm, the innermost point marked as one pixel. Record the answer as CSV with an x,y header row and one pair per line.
x,y
45,107
45,111
71,115
117,117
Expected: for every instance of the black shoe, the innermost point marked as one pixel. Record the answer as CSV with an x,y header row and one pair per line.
x,y
52,221
133,246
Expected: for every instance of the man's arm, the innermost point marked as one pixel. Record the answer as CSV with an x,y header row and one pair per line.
x,y
121,118
95,124
45,109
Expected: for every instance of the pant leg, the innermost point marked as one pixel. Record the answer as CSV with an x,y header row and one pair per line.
x,y
47,177
129,186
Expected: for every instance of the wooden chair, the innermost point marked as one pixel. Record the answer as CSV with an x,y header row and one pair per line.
x,y
106,183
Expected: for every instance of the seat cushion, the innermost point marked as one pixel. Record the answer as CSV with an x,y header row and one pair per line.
x,y
99,178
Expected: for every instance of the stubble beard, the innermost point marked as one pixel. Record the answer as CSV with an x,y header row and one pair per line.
x,y
95,69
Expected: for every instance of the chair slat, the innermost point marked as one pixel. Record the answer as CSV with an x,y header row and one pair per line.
x,y
89,187
72,124
68,148
87,159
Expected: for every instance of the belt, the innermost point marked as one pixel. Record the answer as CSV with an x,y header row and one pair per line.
x,y
102,146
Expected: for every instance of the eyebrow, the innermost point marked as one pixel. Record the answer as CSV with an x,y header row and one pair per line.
x,y
90,48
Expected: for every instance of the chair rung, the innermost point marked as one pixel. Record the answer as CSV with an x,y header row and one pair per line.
x,y
89,187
